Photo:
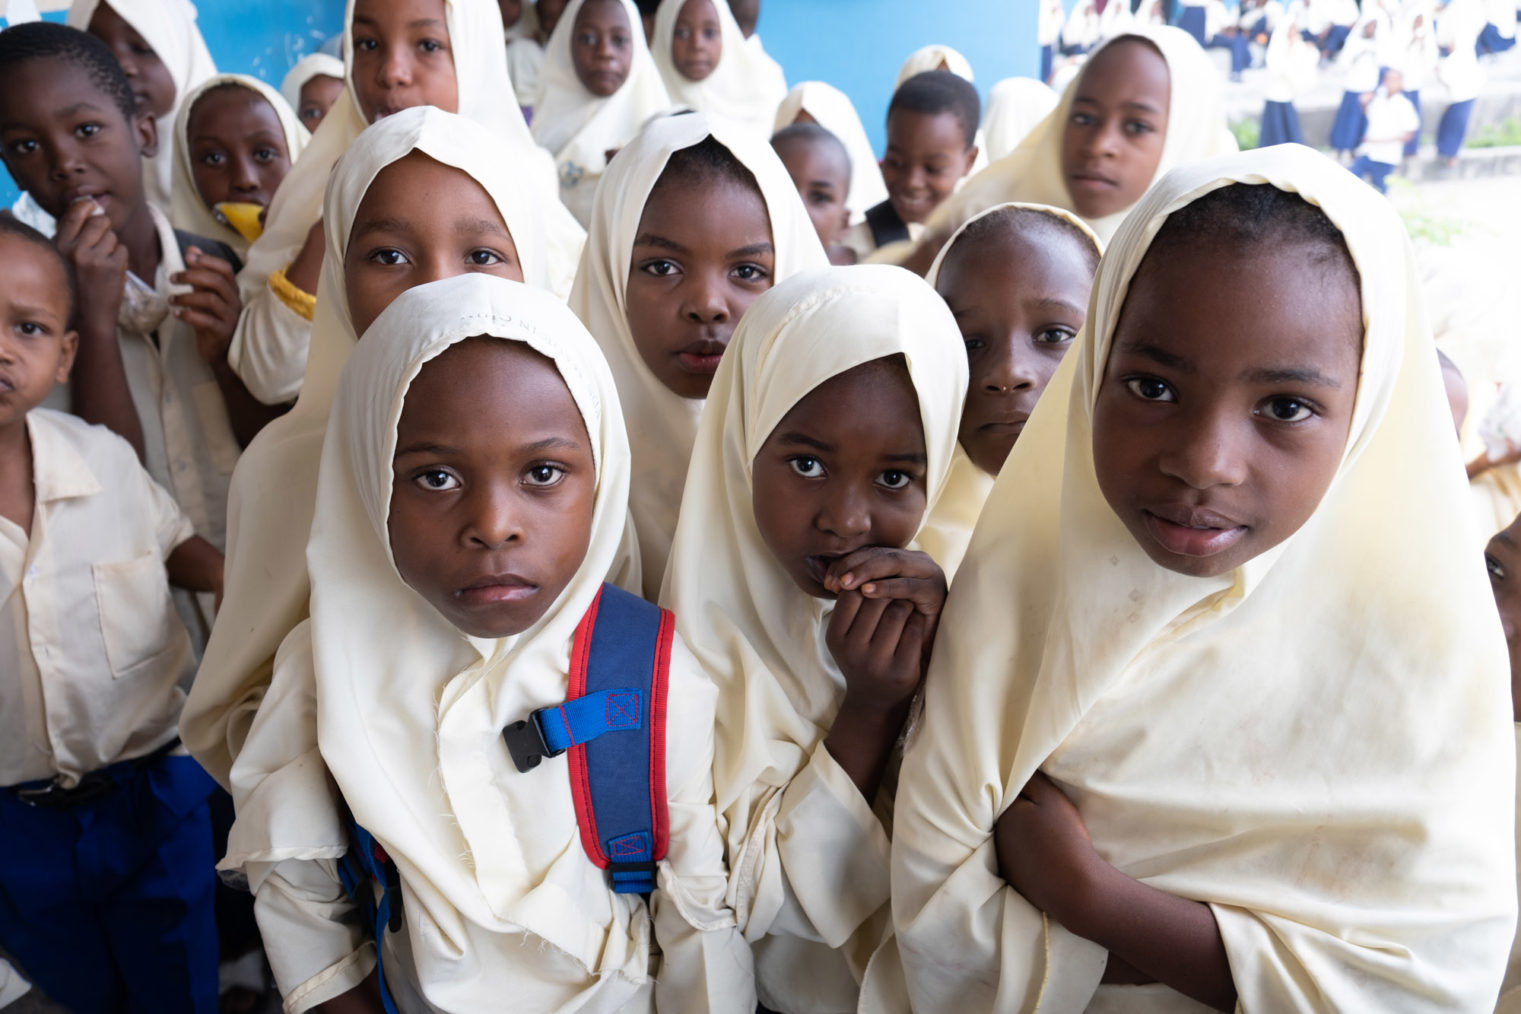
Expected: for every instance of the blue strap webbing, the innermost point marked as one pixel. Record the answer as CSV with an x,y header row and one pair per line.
x,y
361,866
586,718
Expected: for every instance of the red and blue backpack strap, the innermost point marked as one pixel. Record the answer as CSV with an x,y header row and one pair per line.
x,y
363,869
612,725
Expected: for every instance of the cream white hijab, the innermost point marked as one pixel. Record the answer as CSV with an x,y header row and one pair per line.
x,y
485,98
1015,106
949,526
934,57
274,486
579,128
756,634
832,110
1318,745
405,701
745,88
1032,172
661,423
189,211
309,66
169,27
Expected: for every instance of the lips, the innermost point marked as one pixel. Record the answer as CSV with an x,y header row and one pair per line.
x,y
702,356
1092,180
1192,531
497,589
1011,426
7,385
819,565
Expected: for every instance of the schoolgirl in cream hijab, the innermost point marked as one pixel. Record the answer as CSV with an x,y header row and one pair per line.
x,y
807,851
832,109
190,211
745,87
661,423
274,486
1316,744
1034,172
383,705
580,128
270,347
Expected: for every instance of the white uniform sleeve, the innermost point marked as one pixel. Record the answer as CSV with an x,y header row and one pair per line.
x,y
314,935
268,351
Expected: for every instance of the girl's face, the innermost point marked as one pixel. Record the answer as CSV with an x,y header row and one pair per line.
x,y
152,84
1226,402
317,97
701,256
1503,558
237,147
602,46
512,11
549,12
698,44
845,469
421,221
402,57
1019,300
493,487
1112,143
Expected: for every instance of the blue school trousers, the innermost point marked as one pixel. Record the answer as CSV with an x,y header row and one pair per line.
x,y
1280,125
1347,129
107,906
1453,128
1047,61
1191,20
1336,38
1376,173
1241,51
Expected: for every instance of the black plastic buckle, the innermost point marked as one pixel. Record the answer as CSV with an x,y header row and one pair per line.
x,y
525,741
53,796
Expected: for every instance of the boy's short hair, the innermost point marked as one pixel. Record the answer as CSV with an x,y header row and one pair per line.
x,y
705,162
995,225
10,225
939,91
809,133
44,40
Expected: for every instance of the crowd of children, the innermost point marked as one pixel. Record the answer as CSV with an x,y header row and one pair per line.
x,y
540,542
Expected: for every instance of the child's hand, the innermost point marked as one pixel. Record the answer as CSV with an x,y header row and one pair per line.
x,y
879,572
1044,850
879,644
87,241
213,307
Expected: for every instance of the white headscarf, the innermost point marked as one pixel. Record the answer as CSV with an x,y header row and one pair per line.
x,y
1015,106
169,27
661,423
274,486
753,630
309,66
934,57
1318,744
949,526
1032,172
485,97
579,128
405,701
189,211
832,110
745,88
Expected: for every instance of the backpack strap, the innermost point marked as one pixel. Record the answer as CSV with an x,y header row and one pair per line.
x,y
612,724
215,248
364,866
886,227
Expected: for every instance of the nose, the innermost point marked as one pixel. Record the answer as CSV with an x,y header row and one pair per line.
x,y
492,517
1011,371
844,512
704,301
1103,139
245,178
1207,450
605,50
64,161
395,70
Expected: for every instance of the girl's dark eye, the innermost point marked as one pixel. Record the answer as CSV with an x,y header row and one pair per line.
x,y
1055,336
545,475
87,129
660,268
389,256
807,466
266,154
366,45
436,480
1150,389
24,147
1496,571
484,258
974,345
212,158
894,479
751,273
1138,127
31,328
430,45
1289,410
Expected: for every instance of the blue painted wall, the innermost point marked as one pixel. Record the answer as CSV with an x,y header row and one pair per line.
x,y
856,45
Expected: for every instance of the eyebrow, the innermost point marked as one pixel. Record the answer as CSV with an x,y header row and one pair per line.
x,y
804,440
650,239
78,107
1157,355
1290,375
910,458
753,250
442,450
1145,107
479,225
551,443
48,314
1048,303
1504,537
382,225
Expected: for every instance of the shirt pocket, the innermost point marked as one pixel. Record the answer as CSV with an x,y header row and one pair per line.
x,y
216,429
137,619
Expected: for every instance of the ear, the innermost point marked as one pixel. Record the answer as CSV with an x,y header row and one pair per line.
x,y
971,160
147,134
66,361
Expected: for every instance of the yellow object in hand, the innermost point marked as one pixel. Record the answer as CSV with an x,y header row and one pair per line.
x,y
245,218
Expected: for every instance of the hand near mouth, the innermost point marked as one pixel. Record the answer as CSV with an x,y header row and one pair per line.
x,y
881,572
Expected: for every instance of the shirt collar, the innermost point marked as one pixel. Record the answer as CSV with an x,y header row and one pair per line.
x,y
59,471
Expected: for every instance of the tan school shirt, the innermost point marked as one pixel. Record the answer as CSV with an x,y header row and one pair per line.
x,y
88,632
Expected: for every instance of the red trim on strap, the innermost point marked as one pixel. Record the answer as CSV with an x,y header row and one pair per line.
x,y
659,808
580,788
